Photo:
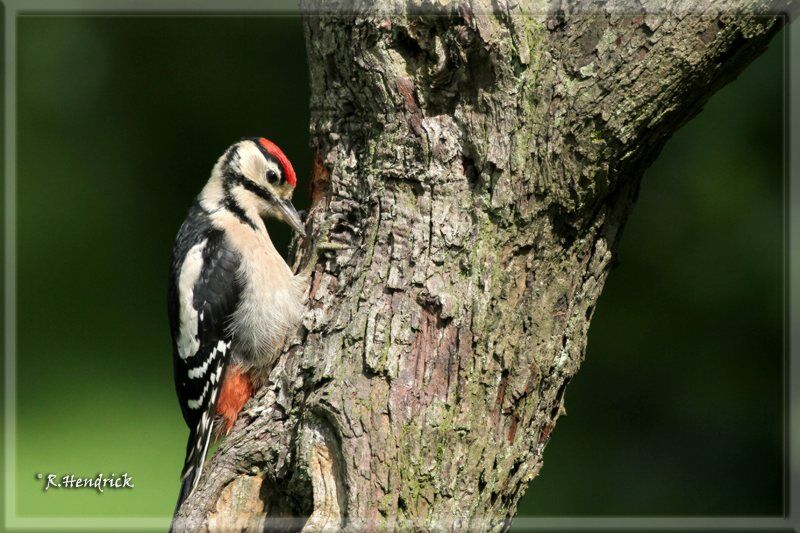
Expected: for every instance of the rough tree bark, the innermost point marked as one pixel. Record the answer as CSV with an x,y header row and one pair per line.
x,y
484,159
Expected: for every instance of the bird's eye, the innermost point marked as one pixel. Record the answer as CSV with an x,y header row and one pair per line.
x,y
272,176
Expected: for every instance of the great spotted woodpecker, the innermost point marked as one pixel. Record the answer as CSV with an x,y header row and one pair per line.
x,y
232,299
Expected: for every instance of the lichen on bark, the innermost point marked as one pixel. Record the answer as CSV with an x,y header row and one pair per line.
x,y
483,159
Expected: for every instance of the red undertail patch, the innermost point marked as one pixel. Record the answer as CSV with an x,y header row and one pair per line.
x,y
236,390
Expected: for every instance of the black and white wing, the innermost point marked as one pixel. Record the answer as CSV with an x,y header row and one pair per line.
x,y
203,294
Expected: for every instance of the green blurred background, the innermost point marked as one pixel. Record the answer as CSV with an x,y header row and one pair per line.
x,y
676,411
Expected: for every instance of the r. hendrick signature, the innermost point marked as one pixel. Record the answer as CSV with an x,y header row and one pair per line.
x,y
99,483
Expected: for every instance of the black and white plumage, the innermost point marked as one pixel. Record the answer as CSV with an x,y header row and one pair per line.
x,y
203,294
232,299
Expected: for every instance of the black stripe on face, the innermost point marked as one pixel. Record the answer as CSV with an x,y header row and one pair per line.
x,y
230,204
258,190
232,178
229,155
229,179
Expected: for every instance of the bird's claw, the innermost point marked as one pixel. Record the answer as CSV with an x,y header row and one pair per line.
x,y
328,246
322,244
325,244
255,411
330,222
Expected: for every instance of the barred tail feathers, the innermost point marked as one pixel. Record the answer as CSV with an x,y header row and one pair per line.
x,y
196,449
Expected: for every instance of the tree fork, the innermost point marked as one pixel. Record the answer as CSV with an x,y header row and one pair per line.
x,y
483,161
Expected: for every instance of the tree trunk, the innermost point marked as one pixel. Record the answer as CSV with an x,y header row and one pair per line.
x,y
484,161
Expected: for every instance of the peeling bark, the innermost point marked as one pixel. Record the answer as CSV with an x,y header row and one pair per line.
x,y
484,160
324,467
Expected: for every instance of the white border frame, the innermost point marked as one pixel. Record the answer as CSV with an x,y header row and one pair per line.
x,y
13,8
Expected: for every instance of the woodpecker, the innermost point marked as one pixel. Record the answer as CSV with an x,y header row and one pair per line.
x,y
232,299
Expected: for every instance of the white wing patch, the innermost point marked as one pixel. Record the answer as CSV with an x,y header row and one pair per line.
x,y
194,404
188,343
199,371
213,379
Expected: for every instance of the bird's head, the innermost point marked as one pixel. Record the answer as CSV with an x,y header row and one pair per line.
x,y
257,177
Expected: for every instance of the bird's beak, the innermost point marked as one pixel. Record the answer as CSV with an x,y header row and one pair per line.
x,y
290,216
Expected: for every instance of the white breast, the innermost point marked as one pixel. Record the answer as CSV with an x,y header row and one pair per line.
x,y
270,305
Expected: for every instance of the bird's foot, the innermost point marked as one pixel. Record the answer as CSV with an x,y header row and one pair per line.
x,y
322,243
255,411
